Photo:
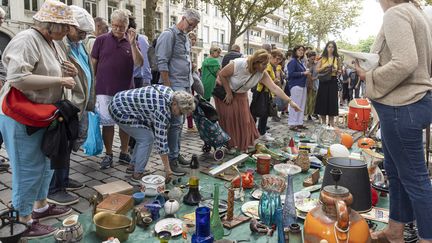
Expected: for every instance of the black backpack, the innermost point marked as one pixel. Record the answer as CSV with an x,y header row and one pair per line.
x,y
151,54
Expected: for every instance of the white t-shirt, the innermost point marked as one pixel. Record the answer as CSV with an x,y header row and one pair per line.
x,y
241,75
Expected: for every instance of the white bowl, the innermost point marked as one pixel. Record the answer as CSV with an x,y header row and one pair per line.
x,y
153,184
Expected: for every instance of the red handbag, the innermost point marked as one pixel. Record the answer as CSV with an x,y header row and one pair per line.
x,y
18,107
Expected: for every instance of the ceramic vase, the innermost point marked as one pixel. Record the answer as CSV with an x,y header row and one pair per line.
x,y
303,160
70,231
171,207
215,221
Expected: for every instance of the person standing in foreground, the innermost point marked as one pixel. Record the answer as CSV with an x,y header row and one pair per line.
x,y
173,51
114,55
400,90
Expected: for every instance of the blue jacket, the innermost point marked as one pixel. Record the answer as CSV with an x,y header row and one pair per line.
x,y
295,74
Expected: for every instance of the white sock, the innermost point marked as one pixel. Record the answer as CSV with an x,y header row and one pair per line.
x,y
30,222
41,210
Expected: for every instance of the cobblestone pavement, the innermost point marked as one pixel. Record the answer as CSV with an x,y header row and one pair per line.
x,y
85,169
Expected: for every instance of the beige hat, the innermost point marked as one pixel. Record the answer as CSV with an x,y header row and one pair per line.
x,y
84,19
53,11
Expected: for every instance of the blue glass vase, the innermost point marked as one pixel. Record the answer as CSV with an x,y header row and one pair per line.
x,y
289,210
267,207
279,224
202,233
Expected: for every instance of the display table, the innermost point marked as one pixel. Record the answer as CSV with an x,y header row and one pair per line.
x,y
241,232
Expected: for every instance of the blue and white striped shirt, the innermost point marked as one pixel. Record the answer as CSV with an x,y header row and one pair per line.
x,y
147,108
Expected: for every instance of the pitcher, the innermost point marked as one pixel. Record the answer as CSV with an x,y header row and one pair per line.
x,y
71,230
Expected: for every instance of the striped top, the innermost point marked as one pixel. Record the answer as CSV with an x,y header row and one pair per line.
x,y
147,107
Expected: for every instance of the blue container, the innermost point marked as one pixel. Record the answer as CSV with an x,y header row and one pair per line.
x,y
202,233
138,197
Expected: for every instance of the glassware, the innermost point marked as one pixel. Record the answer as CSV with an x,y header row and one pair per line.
x,y
215,221
272,187
202,233
193,197
164,236
280,227
328,136
289,210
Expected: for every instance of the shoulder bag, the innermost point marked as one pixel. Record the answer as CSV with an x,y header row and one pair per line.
x,y
220,93
326,76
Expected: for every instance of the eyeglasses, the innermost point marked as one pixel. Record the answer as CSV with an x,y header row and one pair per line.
x,y
191,25
119,27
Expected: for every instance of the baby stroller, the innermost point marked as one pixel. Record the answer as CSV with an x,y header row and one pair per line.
x,y
206,117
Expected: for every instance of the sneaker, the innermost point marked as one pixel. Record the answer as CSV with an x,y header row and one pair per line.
x,y
107,162
182,160
267,137
38,230
137,177
74,185
124,159
52,212
62,198
175,168
130,169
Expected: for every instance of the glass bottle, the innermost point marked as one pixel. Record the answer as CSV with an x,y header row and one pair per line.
x,y
295,235
289,210
279,224
215,221
202,233
193,197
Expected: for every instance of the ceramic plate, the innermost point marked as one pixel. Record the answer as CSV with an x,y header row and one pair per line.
x,y
301,195
286,169
256,194
172,225
313,188
306,205
250,209
301,214
223,205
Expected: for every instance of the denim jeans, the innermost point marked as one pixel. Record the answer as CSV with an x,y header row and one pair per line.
x,y
409,184
31,169
143,146
175,130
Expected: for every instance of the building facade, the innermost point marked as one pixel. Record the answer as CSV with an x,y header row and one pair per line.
x,y
214,29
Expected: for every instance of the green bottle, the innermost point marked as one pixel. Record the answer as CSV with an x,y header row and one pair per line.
x,y
215,220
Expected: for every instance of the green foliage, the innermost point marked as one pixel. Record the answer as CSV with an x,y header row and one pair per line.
x,y
296,28
362,46
243,14
331,17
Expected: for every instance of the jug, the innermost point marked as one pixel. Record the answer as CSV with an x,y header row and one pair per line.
x,y
71,230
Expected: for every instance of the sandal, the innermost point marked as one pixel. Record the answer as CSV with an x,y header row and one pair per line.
x,y
168,177
294,128
302,127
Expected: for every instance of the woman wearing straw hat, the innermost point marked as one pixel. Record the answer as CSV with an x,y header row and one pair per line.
x,y
36,66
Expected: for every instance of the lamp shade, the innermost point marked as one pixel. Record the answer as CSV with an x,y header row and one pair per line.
x,y
355,178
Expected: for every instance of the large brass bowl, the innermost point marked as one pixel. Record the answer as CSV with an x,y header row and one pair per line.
x,y
116,225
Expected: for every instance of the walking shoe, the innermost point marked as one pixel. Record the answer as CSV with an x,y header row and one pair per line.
x,y
182,160
62,198
130,169
175,168
124,159
137,176
74,185
52,212
107,162
267,137
38,230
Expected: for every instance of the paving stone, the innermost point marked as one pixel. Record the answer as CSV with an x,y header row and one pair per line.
x,y
80,177
85,192
83,169
82,206
112,179
97,175
76,158
6,195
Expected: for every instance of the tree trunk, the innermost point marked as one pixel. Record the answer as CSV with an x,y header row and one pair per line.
x,y
318,47
149,23
233,36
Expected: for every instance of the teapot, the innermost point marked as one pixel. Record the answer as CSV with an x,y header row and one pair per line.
x,y
333,220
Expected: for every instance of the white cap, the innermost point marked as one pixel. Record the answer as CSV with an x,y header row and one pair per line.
x,y
84,19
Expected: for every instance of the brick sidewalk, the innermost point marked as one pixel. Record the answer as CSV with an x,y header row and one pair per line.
x,y
85,169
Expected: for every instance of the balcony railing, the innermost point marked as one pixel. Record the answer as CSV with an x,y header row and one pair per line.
x,y
253,38
199,43
275,27
223,46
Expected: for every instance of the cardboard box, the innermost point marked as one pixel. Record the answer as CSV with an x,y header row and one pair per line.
x,y
116,203
119,187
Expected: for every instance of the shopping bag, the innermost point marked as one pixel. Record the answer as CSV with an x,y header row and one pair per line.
x,y
93,144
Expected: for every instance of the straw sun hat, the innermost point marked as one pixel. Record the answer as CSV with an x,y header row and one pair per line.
x,y
53,11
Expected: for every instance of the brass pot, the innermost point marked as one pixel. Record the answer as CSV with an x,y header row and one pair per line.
x,y
114,225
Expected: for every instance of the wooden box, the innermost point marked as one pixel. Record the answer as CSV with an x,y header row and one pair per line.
x,y
116,203
119,187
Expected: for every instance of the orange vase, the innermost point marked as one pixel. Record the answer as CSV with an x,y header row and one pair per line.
x,y
334,221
